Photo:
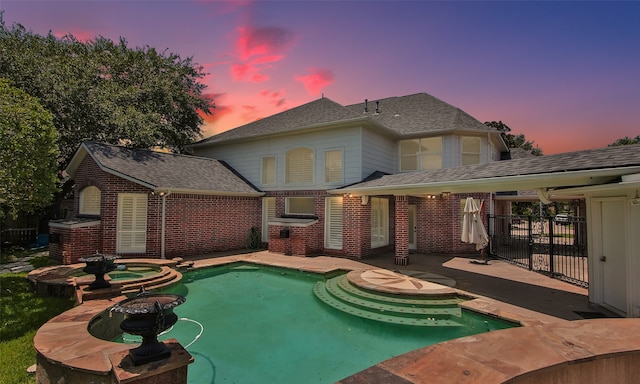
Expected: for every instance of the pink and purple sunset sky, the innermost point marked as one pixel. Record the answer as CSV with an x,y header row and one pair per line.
x,y
564,74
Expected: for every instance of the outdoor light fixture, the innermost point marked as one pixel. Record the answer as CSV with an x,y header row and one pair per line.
x,y
446,194
364,199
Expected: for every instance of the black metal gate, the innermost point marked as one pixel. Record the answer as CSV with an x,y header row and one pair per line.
x,y
556,246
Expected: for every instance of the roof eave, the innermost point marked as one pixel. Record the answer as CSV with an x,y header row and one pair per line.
x,y
329,125
497,184
170,190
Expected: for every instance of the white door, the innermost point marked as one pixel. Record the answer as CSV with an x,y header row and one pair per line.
x,y
612,254
413,243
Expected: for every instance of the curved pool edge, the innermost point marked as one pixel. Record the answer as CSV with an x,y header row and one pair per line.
x,y
595,351
64,342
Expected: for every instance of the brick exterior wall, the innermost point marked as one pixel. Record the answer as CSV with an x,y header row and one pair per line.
x,y
194,224
200,224
439,223
74,243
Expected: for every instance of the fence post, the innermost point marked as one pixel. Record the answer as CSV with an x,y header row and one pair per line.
x,y
530,239
552,243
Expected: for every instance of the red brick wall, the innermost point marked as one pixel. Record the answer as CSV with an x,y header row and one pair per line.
x,y
439,223
199,224
194,224
75,243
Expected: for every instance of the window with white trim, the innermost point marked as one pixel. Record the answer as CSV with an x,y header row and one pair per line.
x,y
131,234
299,166
379,222
268,170
333,223
300,206
333,166
419,154
89,201
470,150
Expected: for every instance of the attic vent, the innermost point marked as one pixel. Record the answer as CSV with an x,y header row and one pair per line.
x,y
366,105
377,107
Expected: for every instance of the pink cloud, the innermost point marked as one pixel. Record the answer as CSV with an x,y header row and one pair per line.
x,y
257,48
261,41
316,80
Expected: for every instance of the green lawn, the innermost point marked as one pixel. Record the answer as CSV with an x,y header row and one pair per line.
x,y
22,312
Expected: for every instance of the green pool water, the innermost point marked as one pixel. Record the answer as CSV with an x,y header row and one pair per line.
x,y
250,325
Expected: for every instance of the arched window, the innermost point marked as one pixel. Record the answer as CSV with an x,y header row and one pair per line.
x,y
90,201
299,166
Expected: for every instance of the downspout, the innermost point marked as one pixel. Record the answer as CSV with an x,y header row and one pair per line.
x,y
163,225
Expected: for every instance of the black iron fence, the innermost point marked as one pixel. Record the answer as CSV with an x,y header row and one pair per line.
x,y
556,246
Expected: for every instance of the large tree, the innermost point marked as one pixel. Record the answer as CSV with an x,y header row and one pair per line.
x,y
514,141
28,152
106,91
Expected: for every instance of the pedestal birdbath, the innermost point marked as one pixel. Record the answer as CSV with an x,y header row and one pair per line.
x,y
147,315
99,265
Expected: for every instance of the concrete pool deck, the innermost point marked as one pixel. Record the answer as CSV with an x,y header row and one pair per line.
x,y
546,345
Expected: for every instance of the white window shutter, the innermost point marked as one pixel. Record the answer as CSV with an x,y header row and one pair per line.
x,y
132,223
333,223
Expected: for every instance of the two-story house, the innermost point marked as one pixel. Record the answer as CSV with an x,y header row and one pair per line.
x,y
281,176
322,178
302,157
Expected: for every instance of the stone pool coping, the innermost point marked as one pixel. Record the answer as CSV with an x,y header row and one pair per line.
x,y
493,357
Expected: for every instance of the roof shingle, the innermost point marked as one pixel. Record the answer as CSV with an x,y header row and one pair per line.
x,y
169,171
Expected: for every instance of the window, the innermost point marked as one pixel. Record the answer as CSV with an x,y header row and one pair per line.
x,y
333,223
470,150
90,201
300,206
418,154
132,223
299,166
269,170
333,166
379,222
268,213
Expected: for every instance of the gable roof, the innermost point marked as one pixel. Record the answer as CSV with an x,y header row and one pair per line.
x,y
165,171
581,168
410,115
314,114
418,114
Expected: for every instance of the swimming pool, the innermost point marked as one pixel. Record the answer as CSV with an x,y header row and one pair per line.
x,y
248,324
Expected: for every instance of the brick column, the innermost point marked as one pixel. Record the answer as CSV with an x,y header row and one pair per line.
x,y
402,230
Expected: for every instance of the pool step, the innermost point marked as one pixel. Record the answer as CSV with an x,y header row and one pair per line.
x,y
166,277
416,310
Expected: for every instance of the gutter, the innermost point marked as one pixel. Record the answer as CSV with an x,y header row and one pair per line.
x,y
498,184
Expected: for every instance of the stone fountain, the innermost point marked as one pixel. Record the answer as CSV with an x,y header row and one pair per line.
x,y
147,315
99,265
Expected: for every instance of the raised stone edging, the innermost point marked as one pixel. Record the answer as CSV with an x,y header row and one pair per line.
x,y
595,351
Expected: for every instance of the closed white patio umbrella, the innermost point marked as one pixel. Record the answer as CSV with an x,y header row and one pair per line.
x,y
473,231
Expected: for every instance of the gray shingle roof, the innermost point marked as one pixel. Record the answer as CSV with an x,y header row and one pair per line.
x,y
417,114
316,113
167,171
594,159
405,115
